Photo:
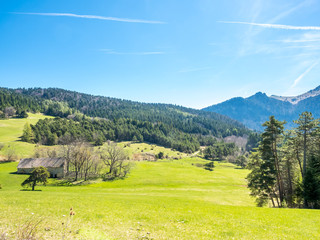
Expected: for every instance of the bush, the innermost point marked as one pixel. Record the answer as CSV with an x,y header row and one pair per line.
x,y
160,155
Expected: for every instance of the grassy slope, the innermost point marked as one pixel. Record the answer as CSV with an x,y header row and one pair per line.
x,y
11,131
147,148
171,200
167,199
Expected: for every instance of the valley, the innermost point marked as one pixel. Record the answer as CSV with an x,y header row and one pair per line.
x,y
166,199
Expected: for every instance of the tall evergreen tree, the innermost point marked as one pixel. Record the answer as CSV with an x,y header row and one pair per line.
x,y
265,180
305,129
306,125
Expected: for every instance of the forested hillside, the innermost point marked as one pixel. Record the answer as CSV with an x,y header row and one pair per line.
x,y
255,110
98,119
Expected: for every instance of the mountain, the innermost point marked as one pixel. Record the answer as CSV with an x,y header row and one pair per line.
x,y
295,100
256,109
105,118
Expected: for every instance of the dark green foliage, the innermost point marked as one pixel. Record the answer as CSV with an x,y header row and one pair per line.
x,y
265,179
311,183
260,180
99,141
219,150
184,119
209,166
53,131
183,129
27,135
160,155
241,161
38,175
18,101
21,114
286,166
253,141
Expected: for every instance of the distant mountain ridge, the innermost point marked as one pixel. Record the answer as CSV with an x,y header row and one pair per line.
x,y
294,100
256,109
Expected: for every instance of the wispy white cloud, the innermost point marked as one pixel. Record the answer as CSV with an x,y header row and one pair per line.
x,y
302,38
92,17
110,51
250,45
304,74
313,47
277,26
290,11
194,69
299,40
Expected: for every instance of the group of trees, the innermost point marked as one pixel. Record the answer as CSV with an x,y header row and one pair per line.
x,y
285,169
219,150
59,130
9,112
83,161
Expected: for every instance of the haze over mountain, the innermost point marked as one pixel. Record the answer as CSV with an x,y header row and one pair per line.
x,y
256,109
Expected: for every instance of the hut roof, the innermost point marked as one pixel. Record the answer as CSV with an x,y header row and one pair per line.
x,y
38,162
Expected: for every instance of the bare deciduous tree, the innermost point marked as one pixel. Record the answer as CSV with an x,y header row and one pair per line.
x,y
115,159
9,112
11,153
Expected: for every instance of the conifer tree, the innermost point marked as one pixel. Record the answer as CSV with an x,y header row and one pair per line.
x,y
265,179
306,125
27,135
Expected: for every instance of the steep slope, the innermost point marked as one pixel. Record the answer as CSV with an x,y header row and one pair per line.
x,y
255,110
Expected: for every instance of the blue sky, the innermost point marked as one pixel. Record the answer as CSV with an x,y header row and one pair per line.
x,y
193,53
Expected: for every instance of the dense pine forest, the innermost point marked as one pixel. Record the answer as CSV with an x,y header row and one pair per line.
x,y
285,168
97,119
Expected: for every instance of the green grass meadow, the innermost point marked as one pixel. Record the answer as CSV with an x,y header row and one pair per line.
x,y
11,131
132,148
167,199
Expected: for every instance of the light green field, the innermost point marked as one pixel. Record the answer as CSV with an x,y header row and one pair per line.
x,y
11,131
132,148
168,199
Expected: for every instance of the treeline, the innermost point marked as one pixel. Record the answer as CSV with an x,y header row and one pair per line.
x,y
60,131
184,119
98,119
285,168
219,150
19,102
15,104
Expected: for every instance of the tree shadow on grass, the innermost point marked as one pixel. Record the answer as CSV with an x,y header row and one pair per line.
x,y
19,173
6,161
30,190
